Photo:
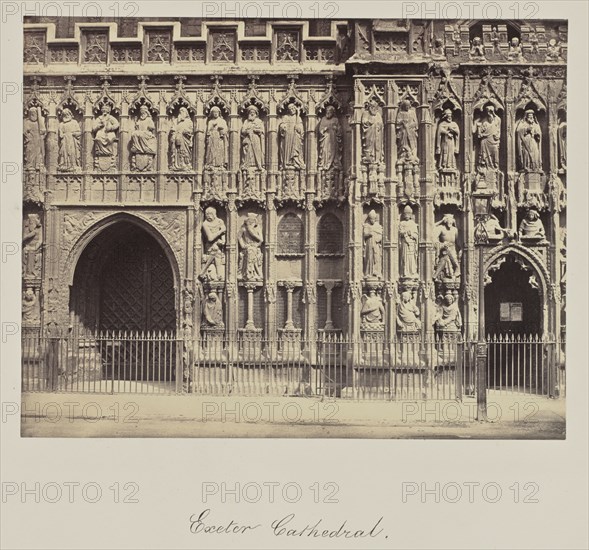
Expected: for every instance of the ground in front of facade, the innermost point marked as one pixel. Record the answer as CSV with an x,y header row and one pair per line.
x,y
510,416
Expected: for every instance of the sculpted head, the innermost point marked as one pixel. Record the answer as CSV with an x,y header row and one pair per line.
x,y
143,112
515,42
406,296
252,112
210,214
182,113
105,108
449,299
292,109
373,106
66,115
33,114
448,115
490,109
407,213
372,216
532,215
449,220
530,115
215,112
329,111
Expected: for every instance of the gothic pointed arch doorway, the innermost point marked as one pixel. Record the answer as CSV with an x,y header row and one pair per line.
x,y
123,312
123,281
513,322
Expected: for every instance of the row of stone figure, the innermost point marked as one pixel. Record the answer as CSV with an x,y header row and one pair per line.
x,y
143,143
447,319
448,254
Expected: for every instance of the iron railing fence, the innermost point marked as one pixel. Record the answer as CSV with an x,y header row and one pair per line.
x,y
331,365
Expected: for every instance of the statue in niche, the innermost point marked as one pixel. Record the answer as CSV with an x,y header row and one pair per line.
x,y
104,130
553,50
34,132
291,132
214,231
372,133
477,50
448,257
217,140
408,313
408,244
531,226
330,140
496,40
213,311
562,144
406,126
372,234
487,132
372,311
252,140
69,134
528,140
32,244
449,318
447,141
181,137
515,53
250,240
31,313
143,140
494,229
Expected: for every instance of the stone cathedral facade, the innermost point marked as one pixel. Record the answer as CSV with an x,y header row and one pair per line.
x,y
259,179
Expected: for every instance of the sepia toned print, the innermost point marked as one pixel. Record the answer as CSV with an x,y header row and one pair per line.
x,y
352,210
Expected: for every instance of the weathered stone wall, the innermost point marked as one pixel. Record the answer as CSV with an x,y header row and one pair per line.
x,y
293,168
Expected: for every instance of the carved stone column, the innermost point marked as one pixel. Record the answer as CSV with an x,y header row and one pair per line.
x,y
469,267
510,167
231,306
311,147
310,294
233,164
272,145
270,265
87,153
427,220
199,142
162,142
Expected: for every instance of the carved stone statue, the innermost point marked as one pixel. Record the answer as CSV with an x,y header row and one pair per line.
x,y
213,311
105,129
32,244
553,50
515,50
477,50
447,141
214,232
406,126
408,244
31,313
408,313
372,234
529,143
291,132
372,311
449,318
494,229
252,140
562,144
448,257
34,132
217,140
181,137
143,144
250,240
69,133
330,140
531,226
372,134
487,132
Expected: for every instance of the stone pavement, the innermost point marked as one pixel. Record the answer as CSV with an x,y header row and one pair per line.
x,y
127,415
